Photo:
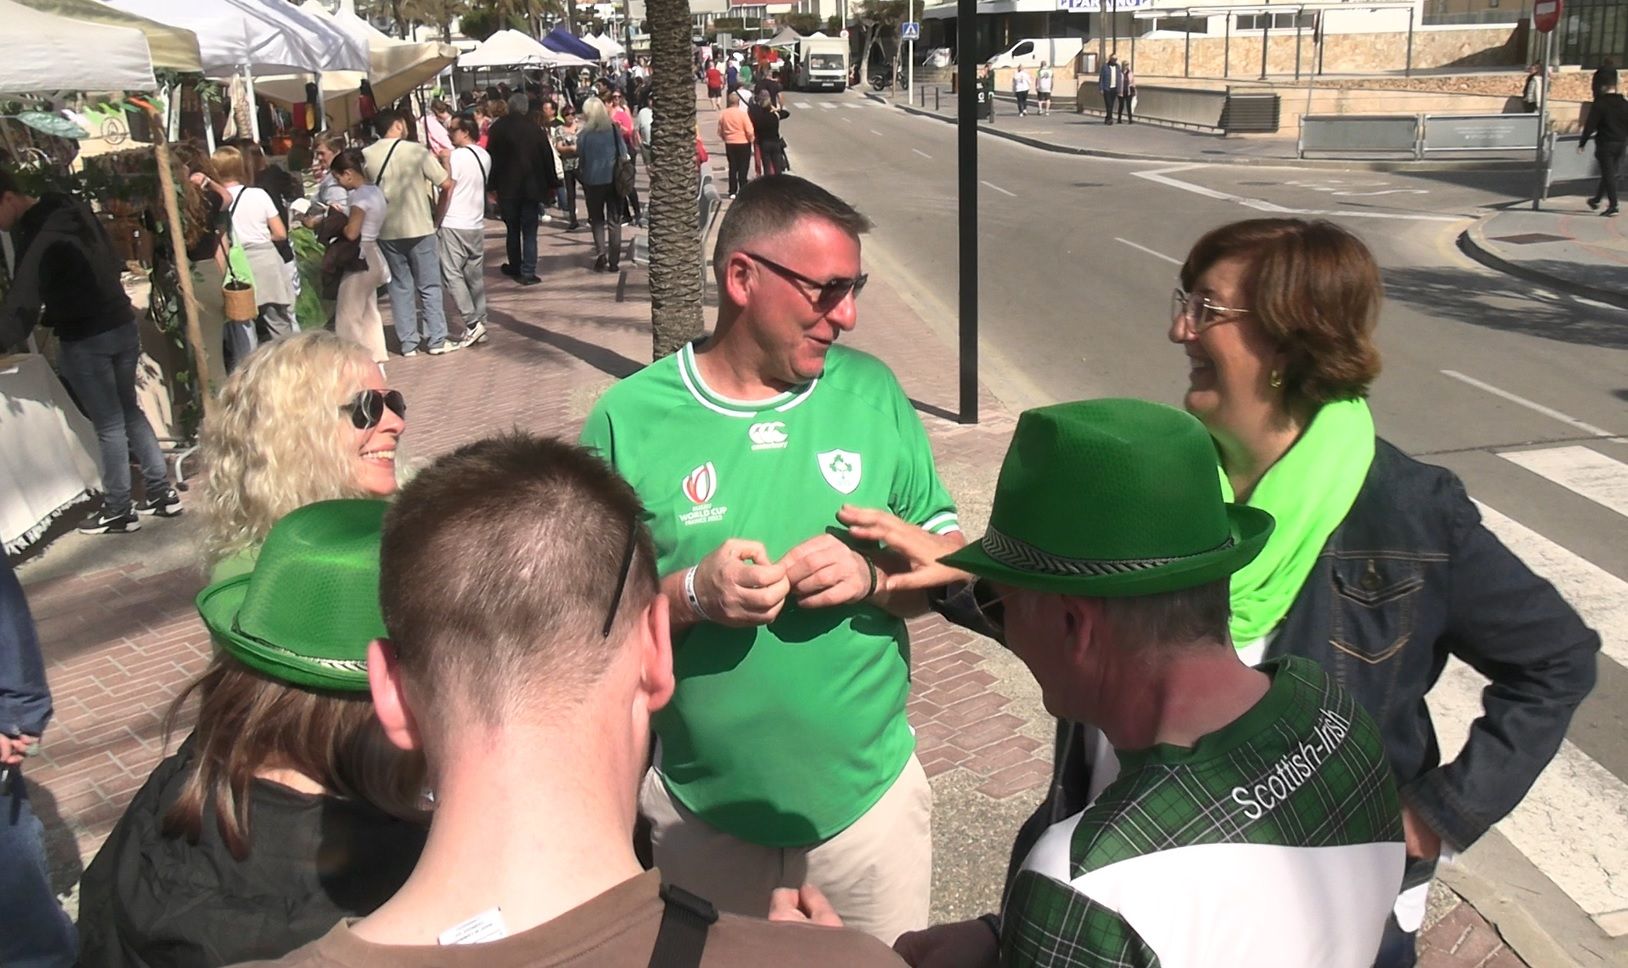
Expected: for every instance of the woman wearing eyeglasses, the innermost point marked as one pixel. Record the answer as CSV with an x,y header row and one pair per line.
x,y
1379,567
307,418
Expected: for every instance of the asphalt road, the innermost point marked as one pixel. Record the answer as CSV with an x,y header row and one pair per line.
x,y
1522,391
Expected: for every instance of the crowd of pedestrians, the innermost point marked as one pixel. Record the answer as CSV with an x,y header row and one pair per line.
x,y
1234,609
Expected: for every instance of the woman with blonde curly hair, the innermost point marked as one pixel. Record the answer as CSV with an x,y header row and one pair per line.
x,y
306,418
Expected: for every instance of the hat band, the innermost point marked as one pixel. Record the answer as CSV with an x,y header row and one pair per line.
x,y
336,665
1022,556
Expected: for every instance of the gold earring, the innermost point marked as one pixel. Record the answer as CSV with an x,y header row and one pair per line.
x,y
1276,380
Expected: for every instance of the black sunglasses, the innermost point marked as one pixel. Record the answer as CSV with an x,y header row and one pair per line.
x,y
367,407
621,581
827,294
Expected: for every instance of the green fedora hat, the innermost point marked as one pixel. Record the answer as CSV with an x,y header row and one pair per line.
x,y
307,612
1110,499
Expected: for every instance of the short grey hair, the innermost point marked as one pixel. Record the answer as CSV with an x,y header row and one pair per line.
x,y
1195,615
519,104
772,204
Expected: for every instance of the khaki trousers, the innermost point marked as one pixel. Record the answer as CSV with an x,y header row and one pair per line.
x,y
878,873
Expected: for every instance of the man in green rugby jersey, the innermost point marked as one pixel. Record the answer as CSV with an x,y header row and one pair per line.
x,y
785,756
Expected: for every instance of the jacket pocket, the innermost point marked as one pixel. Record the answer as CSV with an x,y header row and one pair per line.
x,y
1375,596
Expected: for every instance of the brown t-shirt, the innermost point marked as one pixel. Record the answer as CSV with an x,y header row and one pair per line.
x,y
616,928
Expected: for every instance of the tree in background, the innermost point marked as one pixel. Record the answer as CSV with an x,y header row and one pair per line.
x,y
676,289
880,20
804,23
483,18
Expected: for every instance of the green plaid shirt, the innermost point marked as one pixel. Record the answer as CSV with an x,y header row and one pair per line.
x,y
1303,768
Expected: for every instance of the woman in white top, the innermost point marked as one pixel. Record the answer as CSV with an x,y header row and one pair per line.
x,y
357,315
257,223
329,191
1021,83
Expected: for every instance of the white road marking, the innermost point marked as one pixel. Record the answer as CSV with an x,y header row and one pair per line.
x,y
1550,412
922,153
876,132
828,105
998,188
1143,248
1571,825
1587,472
1162,176
1599,596
847,120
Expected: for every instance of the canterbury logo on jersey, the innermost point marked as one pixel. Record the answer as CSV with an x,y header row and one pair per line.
x,y
768,436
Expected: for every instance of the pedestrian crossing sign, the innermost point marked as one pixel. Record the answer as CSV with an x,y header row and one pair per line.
x,y
910,30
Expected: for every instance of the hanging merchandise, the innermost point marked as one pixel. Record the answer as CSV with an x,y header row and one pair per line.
x,y
313,108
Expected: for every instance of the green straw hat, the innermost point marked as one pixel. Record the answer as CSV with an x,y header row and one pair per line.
x,y
307,612
1111,499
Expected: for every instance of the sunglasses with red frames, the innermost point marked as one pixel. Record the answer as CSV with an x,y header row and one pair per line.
x,y
366,409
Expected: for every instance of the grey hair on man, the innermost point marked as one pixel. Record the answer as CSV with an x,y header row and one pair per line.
x,y
772,204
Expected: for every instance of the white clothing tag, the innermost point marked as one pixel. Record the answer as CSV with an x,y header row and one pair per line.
x,y
483,927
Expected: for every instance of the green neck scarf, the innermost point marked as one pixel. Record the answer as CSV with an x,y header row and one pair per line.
x,y
1309,491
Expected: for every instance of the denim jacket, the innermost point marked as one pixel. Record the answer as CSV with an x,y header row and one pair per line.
x,y
1409,578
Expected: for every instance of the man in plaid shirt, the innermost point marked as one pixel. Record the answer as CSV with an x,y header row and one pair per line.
x,y
1236,816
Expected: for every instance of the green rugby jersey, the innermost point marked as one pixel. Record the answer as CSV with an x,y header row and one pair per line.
x,y
1274,841
785,734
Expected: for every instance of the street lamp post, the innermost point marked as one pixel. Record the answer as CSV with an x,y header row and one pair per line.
x,y
966,59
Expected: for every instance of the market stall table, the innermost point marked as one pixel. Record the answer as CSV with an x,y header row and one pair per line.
x,y
48,452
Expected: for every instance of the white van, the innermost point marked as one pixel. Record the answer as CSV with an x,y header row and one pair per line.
x,y
1034,51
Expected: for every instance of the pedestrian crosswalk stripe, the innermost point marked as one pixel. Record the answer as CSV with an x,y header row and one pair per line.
x,y
1599,596
827,105
1571,825
1580,469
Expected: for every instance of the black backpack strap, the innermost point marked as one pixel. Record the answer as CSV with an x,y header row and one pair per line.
x,y
683,933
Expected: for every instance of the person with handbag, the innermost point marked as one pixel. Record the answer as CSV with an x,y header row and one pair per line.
x,y
766,118
255,225
1127,94
605,170
563,135
357,318
416,187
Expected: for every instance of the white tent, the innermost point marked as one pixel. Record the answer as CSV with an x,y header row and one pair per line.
x,y
606,45
395,67
787,37
47,53
171,47
257,37
511,48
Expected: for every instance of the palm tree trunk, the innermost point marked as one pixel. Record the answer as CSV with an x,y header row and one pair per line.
x,y
675,246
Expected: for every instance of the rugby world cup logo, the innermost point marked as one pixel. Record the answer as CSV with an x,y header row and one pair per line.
x,y
701,484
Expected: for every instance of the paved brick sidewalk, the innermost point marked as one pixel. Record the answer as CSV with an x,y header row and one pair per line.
x,y
122,640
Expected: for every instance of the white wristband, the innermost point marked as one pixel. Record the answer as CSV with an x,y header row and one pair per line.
x,y
691,598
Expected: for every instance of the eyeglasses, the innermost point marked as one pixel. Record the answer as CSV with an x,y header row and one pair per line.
x,y
827,295
1197,310
621,581
366,409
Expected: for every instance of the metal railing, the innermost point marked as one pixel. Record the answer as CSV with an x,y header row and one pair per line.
x,y
1417,136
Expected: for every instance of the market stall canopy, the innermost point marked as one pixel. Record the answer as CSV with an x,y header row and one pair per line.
x,y
50,53
395,68
261,36
174,48
787,37
566,42
511,48
608,47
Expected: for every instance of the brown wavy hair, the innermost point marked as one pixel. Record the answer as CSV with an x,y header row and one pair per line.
x,y
1315,289
248,722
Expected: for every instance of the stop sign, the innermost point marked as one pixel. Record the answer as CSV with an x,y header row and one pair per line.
x,y
1545,15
